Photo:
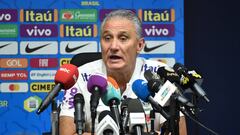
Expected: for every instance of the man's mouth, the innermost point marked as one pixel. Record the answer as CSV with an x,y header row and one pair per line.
x,y
114,57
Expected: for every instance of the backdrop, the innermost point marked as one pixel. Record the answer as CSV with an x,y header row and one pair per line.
x,y
38,36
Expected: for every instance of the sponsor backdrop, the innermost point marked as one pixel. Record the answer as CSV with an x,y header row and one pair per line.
x,y
37,36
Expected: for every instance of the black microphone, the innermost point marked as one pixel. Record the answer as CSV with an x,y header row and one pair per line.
x,y
107,124
124,115
79,114
154,80
136,117
187,79
166,78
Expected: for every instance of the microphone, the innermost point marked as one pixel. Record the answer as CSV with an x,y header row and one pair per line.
x,y
106,124
140,88
165,90
124,115
136,117
154,80
97,85
188,80
79,114
112,98
66,76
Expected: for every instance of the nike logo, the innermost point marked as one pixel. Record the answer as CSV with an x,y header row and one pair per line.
x,y
30,50
4,45
149,49
69,50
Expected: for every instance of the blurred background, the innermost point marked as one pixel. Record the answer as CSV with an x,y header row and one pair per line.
x,y
212,45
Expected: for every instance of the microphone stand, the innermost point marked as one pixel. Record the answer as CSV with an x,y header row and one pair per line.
x,y
152,117
173,125
54,118
195,102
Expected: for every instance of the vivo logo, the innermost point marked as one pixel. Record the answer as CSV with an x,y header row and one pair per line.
x,y
35,31
39,30
158,30
8,15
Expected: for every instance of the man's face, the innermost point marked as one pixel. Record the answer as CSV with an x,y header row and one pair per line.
x,y
120,44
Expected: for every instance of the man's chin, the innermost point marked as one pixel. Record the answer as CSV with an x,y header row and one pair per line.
x,y
115,66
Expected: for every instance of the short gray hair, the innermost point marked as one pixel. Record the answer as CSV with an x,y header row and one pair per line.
x,y
127,14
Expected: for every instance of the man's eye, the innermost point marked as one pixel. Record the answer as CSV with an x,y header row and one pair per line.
x,y
107,38
123,38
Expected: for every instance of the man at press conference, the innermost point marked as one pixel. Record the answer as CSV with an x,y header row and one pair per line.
x,y
121,42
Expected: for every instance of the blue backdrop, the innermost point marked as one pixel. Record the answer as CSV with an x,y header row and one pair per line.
x,y
37,36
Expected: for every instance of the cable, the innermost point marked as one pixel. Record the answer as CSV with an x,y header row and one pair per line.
x,y
196,121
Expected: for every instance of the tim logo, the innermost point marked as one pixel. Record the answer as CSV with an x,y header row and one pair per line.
x,y
8,15
158,30
38,30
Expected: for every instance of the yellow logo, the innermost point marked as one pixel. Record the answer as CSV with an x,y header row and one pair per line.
x,y
42,86
31,104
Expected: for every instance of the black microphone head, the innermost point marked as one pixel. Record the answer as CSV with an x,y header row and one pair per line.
x,y
148,75
153,85
167,73
124,103
179,68
79,98
105,113
135,105
136,115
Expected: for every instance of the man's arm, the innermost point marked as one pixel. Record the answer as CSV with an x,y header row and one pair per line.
x,y
182,126
66,125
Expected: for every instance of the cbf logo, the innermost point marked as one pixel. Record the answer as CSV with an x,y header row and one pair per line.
x,y
32,103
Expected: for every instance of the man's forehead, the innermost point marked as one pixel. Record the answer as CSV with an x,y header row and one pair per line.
x,y
118,25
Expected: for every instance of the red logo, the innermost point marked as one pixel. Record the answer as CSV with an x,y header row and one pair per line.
x,y
44,62
13,75
67,15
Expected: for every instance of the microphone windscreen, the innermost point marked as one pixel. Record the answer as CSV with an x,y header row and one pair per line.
x,y
67,75
148,75
139,87
112,93
178,66
168,73
97,80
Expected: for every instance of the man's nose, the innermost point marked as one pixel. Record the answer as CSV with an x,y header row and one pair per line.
x,y
115,44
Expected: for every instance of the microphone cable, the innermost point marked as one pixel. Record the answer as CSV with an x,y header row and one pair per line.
x,y
183,110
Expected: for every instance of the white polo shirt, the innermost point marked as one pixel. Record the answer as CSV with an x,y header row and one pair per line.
x,y
67,106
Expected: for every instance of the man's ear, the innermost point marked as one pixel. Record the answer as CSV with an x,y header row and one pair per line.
x,y
140,45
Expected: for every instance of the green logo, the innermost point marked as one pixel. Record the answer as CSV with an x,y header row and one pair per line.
x,y
32,103
8,30
78,15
